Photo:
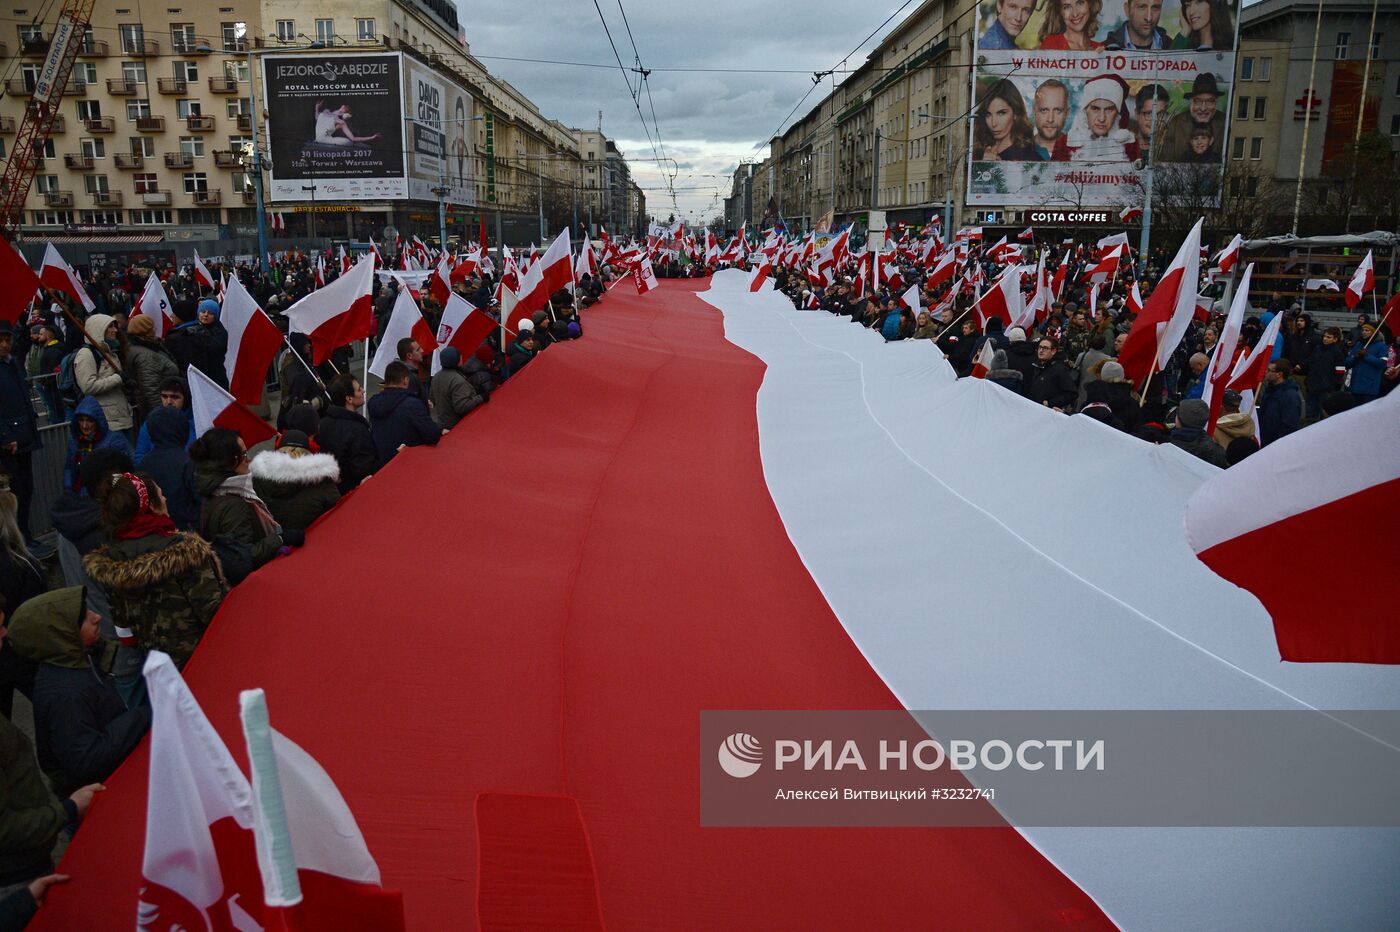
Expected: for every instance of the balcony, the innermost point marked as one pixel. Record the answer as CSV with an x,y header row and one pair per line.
x,y
245,121
179,160
140,49
200,124
207,198
35,48
78,162
150,124
120,87
59,125
107,198
75,89
223,85
250,197
223,158
93,48
19,87
7,124
58,198
156,198
130,160
186,46
101,125
172,85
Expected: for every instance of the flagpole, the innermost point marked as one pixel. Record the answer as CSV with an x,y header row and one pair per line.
x,y
1379,324
1142,398
314,374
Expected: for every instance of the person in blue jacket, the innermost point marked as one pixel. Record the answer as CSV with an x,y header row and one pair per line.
x,y
397,419
88,432
1367,363
1281,407
174,393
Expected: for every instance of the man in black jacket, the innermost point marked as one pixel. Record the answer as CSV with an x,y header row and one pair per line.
x,y
397,419
19,430
344,432
1052,383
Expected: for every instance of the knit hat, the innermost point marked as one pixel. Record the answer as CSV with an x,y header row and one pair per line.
x,y
450,357
1016,335
141,326
294,438
999,359
211,306
1112,371
1193,412
1232,398
303,419
539,317
526,325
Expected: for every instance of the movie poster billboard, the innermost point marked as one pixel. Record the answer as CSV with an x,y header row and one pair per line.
x,y
440,127
335,122
1066,94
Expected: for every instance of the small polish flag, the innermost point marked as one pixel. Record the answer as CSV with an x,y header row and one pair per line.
x,y
404,321
462,326
1107,266
910,299
59,275
1135,299
1027,235
337,314
983,363
644,277
1108,242
214,407
345,262
1362,281
155,304
759,275
1002,300
1321,284
1230,254
318,274
201,272
440,282
1249,371
253,341
1327,483
1129,214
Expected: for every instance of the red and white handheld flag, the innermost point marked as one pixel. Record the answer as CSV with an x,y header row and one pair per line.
x,y
552,272
1002,300
21,282
337,314
318,272
462,326
345,263
440,282
406,320
1107,266
1134,299
1250,369
253,341
983,363
1027,235
202,274
1230,254
1222,359
1362,281
1330,482
760,274
910,299
1166,314
155,304
59,275
214,407
1129,214
644,277
587,263
1108,242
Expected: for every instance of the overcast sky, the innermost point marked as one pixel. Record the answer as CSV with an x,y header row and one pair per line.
x,y
708,121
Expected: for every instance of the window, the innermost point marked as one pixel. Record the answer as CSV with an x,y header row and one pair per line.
x,y
134,72
145,183
2,148
1251,186
92,148
1260,105
187,71
196,183
30,32
186,108
237,106
325,30
95,184
144,146
52,218
85,72
1395,125
1343,40
205,215
286,30
1238,151
46,184
46,151
364,30
235,36
237,144
236,70
133,39
1265,66
149,218
1246,69
89,110
30,73
1376,44
182,37
112,217
138,109
1256,148
1242,111
192,145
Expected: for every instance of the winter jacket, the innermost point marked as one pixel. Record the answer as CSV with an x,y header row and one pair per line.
x,y
229,515
18,423
97,379
1230,427
397,419
150,364
82,728
30,815
169,464
163,589
298,486
452,396
1118,395
1003,375
21,579
519,356
1194,441
78,520
1020,356
346,436
1322,367
1280,411
1084,373
190,345
1367,368
79,449
479,375
1053,384
889,329
143,439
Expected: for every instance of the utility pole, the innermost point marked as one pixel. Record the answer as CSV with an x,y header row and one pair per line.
x,y
1307,118
1145,239
874,178
539,178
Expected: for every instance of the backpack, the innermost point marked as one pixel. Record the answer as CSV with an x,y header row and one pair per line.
x,y
68,381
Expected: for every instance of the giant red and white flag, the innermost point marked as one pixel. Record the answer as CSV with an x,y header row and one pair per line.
x,y
59,275
643,277
337,314
1362,281
1335,481
155,304
214,407
1166,314
463,326
202,273
552,272
406,320
1002,300
253,342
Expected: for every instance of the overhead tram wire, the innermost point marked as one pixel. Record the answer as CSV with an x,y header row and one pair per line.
x,y
644,83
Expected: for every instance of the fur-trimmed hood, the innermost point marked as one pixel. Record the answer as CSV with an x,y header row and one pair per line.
x,y
283,468
139,564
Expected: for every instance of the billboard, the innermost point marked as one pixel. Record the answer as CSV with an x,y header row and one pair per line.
x,y
1066,94
335,122
1353,106
440,129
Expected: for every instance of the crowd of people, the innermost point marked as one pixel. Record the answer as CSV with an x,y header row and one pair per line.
x,y
1068,360
155,524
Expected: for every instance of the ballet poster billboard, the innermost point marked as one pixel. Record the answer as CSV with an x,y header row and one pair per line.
x,y
1072,97
335,123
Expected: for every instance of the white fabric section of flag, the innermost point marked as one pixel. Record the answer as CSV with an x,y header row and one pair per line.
x,y
1265,347
325,304
911,300
201,271
155,304
1171,335
1117,239
402,320
1321,284
545,270
1230,254
1336,457
1135,299
52,260
207,400
1229,338
193,782
238,311
645,277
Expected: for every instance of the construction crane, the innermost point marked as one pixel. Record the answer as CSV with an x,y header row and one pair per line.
x,y
69,34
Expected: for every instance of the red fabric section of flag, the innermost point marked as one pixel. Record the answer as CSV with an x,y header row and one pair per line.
x,y
1307,622
423,335
260,343
20,283
253,429
535,869
357,323
474,329
333,904
1139,354
571,685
